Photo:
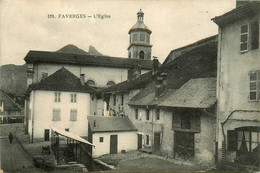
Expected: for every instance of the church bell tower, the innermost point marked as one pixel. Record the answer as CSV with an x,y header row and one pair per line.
x,y
140,47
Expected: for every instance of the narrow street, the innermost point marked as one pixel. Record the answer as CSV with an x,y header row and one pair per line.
x,y
13,158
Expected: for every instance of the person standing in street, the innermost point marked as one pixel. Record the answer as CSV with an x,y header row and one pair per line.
x,y
10,137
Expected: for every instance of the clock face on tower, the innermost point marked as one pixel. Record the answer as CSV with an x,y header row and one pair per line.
x,y
140,47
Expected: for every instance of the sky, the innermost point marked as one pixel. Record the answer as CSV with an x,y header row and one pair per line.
x,y
25,25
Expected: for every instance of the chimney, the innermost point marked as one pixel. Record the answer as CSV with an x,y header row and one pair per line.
x,y
82,79
155,64
161,83
134,72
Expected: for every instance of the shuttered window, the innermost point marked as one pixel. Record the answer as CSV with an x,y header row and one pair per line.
x,y
73,115
56,115
232,140
254,34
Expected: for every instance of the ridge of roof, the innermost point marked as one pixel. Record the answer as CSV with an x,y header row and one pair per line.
x,y
94,60
61,80
196,45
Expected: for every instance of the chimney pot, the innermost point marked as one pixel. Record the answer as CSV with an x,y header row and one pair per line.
x,y
82,79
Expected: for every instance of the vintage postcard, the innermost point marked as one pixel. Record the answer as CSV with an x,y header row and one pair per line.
x,y
129,86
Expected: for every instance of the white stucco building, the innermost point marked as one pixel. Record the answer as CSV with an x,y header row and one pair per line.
x,y
61,100
111,135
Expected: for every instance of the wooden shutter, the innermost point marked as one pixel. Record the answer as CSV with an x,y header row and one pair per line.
x,y
176,120
195,122
255,35
232,140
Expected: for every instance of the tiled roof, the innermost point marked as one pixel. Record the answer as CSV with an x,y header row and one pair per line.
x,y
182,50
196,93
241,12
128,85
8,102
110,124
62,80
145,96
91,60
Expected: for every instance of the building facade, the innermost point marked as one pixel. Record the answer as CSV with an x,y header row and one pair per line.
x,y
61,100
238,85
111,135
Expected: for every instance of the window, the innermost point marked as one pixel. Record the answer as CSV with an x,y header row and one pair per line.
x,y
56,115
142,37
244,38
157,113
122,99
73,98
245,141
147,38
73,114
114,100
141,54
147,114
111,83
136,113
135,37
254,85
252,42
185,122
147,139
67,129
101,139
129,55
57,96
91,83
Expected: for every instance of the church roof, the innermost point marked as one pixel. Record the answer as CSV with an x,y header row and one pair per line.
x,y
82,59
61,80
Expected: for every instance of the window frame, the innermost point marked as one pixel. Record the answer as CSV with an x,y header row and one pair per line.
x,y
54,114
147,140
57,97
248,36
136,114
73,98
147,114
73,112
157,114
257,83
101,139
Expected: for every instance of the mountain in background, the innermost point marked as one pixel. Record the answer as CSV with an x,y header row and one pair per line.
x,y
13,78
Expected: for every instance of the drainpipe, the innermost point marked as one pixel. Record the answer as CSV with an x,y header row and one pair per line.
x,y
33,108
218,92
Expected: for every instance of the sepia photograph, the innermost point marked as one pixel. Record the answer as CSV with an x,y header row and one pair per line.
x,y
129,86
